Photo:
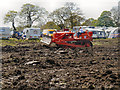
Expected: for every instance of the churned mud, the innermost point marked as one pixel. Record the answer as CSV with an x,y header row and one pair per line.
x,y
35,66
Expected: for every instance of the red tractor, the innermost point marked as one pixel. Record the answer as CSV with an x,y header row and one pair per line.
x,y
68,39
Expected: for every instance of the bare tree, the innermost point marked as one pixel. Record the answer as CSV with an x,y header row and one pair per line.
x,y
10,17
31,13
73,12
119,14
116,14
59,16
67,16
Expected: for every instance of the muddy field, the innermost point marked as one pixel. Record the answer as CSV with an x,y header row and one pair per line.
x,y
35,66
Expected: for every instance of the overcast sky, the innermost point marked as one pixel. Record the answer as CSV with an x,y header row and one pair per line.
x,y
90,8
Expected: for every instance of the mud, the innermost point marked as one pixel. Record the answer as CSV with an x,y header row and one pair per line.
x,y
36,66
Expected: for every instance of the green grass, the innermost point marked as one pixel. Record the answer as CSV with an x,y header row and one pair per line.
x,y
14,42
8,42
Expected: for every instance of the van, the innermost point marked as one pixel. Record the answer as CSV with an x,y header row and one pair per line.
x,y
5,32
97,33
49,32
31,33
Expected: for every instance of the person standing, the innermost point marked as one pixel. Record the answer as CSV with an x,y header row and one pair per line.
x,y
80,30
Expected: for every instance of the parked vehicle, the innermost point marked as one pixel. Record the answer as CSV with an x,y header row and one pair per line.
x,y
4,32
31,33
49,32
76,28
97,33
114,33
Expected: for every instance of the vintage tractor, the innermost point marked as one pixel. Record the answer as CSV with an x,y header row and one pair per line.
x,y
68,39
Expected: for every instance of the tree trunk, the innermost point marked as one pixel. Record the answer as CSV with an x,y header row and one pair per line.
x,y
71,20
13,25
29,20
